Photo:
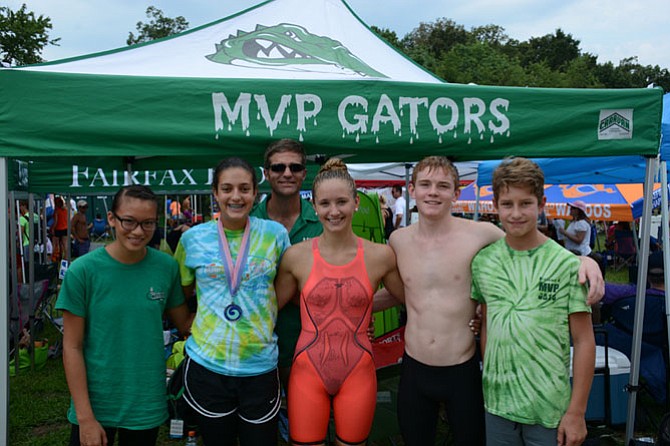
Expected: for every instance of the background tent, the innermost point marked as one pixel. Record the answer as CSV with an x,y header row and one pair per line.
x,y
582,170
311,71
74,178
604,202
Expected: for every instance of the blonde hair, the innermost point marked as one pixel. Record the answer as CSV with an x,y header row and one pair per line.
x,y
436,162
518,172
334,169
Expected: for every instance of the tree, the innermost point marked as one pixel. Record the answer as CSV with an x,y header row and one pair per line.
x,y
158,27
23,36
481,64
556,50
390,36
493,35
435,38
581,73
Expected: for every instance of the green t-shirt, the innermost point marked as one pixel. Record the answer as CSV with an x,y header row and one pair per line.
x,y
25,227
307,226
124,350
529,296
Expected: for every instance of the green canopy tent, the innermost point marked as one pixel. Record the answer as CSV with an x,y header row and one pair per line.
x,y
311,71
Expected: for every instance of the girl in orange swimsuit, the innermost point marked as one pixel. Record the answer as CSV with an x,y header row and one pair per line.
x,y
337,274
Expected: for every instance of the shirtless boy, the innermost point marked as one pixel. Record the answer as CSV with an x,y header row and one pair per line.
x,y
434,257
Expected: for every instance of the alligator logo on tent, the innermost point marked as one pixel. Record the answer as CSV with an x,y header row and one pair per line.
x,y
289,47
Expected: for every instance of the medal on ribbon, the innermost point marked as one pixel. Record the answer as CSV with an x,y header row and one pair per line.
x,y
233,312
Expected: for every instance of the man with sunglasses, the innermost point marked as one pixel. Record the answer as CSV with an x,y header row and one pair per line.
x,y
284,168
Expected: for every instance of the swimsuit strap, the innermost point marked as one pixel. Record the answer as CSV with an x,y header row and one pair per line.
x,y
317,254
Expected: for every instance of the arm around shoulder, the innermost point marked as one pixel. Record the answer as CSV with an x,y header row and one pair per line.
x,y
590,274
286,283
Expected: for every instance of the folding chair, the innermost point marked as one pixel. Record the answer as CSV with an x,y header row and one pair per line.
x,y
654,348
625,249
99,230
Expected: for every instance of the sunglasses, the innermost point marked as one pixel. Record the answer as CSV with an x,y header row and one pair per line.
x,y
293,167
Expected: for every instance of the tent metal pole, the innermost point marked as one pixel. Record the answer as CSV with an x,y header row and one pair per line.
x,y
19,238
14,276
666,241
4,313
31,276
643,260
408,166
476,216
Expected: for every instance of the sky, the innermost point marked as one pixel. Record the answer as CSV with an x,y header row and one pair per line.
x,y
610,29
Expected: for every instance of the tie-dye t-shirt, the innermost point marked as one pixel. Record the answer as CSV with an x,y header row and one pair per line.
x,y
246,346
529,296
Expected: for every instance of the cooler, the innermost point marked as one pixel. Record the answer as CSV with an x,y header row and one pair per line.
x,y
619,367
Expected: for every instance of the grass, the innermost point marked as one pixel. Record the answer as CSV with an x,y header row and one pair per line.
x,y
38,402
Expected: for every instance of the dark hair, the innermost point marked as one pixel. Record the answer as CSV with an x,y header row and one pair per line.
x,y
229,163
284,145
334,169
134,191
396,188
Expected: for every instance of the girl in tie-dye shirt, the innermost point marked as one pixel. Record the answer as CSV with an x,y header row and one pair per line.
x,y
231,370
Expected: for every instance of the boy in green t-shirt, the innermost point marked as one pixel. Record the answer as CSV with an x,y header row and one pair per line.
x,y
531,305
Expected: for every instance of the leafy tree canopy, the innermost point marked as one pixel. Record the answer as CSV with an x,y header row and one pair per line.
x,y
23,36
157,27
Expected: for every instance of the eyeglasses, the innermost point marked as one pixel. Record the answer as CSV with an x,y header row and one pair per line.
x,y
129,224
281,167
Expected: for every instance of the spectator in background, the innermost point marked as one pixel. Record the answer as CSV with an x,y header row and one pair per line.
x,y
80,230
387,216
24,222
186,210
59,230
399,206
578,233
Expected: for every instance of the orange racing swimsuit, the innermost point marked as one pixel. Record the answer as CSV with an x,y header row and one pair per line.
x,y
333,356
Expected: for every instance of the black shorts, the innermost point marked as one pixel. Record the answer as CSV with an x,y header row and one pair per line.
x,y
424,387
60,232
255,399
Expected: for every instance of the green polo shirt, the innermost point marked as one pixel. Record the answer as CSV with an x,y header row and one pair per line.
x,y
307,226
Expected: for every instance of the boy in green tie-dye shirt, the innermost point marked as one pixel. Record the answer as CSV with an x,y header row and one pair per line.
x,y
532,304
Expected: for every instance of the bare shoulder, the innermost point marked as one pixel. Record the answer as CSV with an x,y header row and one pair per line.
x,y
296,252
401,235
484,231
378,251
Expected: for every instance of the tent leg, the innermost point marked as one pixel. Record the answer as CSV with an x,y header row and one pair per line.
x,y
666,240
4,313
643,259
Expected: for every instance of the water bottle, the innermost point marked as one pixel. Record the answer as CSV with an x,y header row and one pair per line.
x,y
191,439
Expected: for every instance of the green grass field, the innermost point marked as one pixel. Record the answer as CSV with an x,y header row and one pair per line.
x,y
38,402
